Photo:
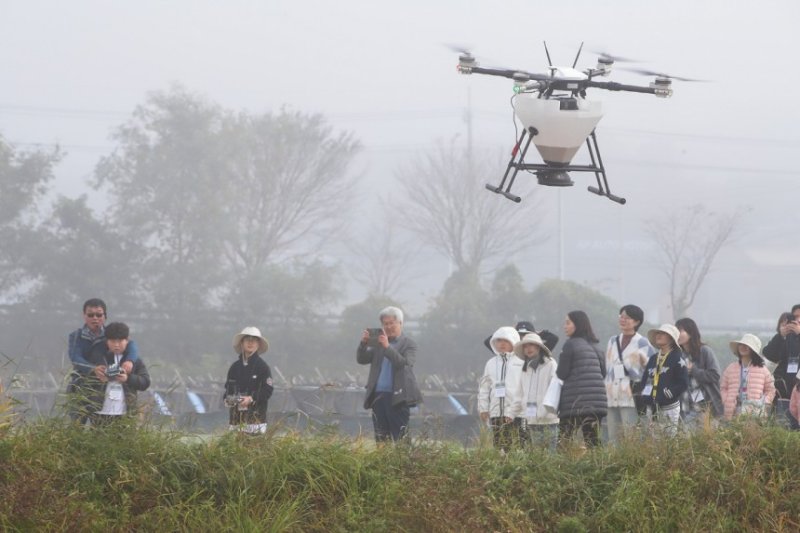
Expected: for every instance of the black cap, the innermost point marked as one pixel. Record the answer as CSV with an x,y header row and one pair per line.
x,y
525,327
549,339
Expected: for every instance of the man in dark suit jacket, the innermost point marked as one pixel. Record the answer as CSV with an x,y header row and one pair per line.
x,y
391,387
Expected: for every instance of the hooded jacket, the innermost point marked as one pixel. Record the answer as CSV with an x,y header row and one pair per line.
x,y
503,368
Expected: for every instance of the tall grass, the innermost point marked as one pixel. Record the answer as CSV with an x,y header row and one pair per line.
x,y
57,477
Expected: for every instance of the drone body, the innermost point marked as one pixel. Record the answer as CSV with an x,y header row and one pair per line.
x,y
558,119
563,124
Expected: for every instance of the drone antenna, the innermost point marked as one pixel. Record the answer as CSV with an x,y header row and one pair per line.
x,y
577,55
546,51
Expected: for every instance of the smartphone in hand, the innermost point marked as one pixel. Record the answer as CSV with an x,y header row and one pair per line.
x,y
374,333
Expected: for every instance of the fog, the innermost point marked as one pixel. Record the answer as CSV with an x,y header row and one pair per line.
x,y
72,72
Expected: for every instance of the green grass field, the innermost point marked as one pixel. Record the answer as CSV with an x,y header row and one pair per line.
x,y
56,477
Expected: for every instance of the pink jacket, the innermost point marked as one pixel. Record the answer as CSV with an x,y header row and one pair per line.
x,y
794,403
760,384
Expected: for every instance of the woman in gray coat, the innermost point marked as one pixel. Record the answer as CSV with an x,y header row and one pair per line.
x,y
582,368
703,395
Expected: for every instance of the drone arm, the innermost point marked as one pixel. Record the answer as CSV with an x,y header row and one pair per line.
x,y
614,86
520,75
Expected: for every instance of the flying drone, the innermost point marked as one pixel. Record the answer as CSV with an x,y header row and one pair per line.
x,y
557,118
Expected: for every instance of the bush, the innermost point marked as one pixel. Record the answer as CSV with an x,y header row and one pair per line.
x,y
57,477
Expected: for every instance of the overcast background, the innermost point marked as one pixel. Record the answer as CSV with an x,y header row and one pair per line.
x,y
70,72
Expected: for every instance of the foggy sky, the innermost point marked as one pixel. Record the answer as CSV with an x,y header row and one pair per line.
x,y
72,71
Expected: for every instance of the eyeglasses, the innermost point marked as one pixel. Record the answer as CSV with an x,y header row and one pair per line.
x,y
95,315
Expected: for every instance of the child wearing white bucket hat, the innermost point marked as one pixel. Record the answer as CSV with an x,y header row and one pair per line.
x,y
665,377
539,426
747,386
249,383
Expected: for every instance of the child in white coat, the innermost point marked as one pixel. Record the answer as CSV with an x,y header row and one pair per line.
x,y
498,389
540,425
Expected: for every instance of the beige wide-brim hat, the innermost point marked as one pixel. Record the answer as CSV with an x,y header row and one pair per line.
x,y
669,329
749,340
250,331
530,338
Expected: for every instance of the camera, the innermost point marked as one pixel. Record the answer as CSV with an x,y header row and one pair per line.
x,y
232,401
113,371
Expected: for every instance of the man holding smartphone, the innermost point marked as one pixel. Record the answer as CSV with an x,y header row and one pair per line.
x,y
391,386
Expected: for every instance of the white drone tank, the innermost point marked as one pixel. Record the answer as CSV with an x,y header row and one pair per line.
x,y
562,123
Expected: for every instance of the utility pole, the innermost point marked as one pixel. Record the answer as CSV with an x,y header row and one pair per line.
x,y
560,237
468,121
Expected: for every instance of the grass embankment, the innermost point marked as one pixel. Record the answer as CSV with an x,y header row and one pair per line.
x,y
59,478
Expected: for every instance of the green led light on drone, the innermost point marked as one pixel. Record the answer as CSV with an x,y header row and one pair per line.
x,y
517,89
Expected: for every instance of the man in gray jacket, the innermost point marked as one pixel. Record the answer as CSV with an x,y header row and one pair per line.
x,y
391,386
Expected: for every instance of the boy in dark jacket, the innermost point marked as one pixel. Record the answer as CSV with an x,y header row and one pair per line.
x,y
112,389
249,383
665,378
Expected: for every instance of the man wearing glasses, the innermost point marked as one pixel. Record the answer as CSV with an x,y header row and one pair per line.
x,y
80,345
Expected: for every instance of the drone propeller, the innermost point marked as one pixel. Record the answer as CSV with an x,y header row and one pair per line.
x,y
459,48
614,58
646,72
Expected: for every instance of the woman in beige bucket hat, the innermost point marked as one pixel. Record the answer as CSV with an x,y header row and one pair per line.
x,y
747,386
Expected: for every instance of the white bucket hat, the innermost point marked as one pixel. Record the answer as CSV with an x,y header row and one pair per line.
x,y
669,329
749,340
250,331
530,338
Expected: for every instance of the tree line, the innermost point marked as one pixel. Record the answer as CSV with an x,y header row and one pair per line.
x,y
220,218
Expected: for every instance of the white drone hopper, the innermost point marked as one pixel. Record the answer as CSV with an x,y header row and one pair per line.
x,y
562,124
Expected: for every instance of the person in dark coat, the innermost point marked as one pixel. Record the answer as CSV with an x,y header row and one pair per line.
x,y
784,349
582,369
249,384
391,386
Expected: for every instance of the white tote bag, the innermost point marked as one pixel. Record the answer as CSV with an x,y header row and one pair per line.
x,y
553,395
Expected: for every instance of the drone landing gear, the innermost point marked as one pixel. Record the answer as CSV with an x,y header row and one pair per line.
x,y
553,176
599,170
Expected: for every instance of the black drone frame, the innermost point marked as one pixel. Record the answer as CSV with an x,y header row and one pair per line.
x,y
545,172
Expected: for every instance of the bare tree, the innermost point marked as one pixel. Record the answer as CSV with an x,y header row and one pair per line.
x,y
448,208
382,262
688,244
292,175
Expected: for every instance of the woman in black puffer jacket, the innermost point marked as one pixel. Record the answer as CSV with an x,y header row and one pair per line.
x,y
582,368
